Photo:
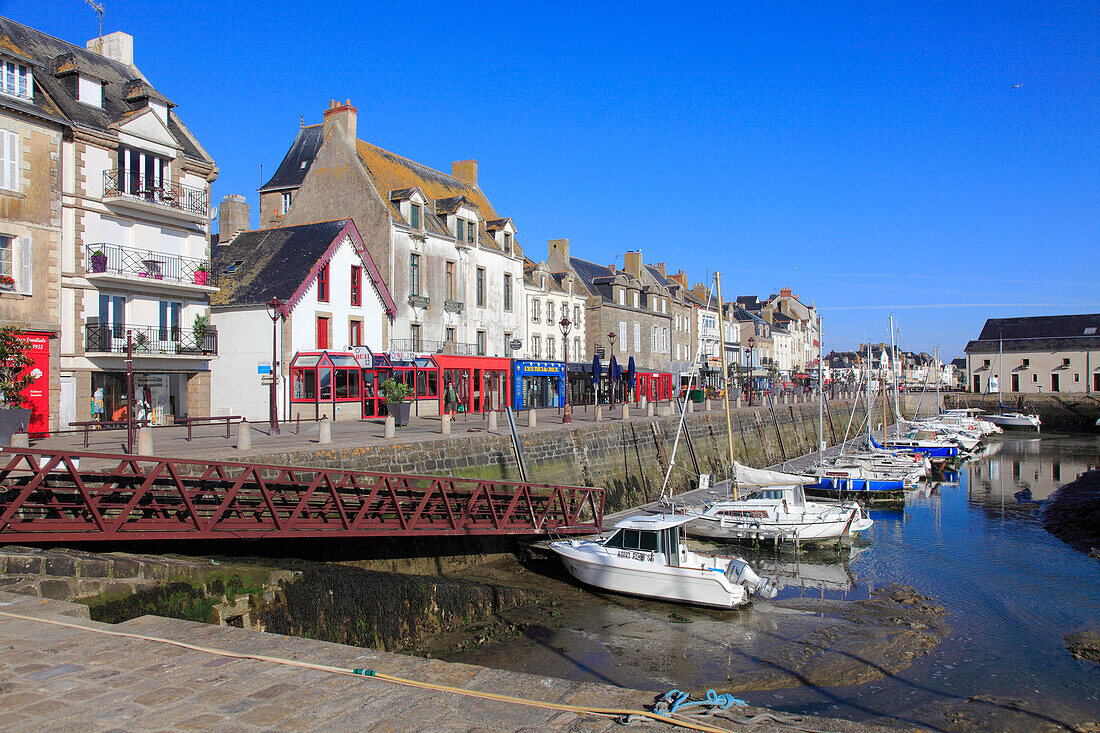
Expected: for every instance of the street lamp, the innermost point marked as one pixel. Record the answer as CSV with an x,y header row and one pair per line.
x,y
751,370
565,324
274,310
611,375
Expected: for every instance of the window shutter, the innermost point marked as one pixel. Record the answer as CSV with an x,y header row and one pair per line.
x,y
26,266
11,166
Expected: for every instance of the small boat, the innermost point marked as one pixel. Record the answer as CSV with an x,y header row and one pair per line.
x,y
648,556
917,443
778,511
1016,421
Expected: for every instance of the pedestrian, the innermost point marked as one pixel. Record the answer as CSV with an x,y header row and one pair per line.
x,y
450,400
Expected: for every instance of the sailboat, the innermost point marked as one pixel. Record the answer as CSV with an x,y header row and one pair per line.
x,y
1006,418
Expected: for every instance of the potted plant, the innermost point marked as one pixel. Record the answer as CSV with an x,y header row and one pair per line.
x,y
99,261
394,393
7,282
201,273
14,379
199,329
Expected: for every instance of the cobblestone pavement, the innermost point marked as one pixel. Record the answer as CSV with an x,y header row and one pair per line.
x,y
63,679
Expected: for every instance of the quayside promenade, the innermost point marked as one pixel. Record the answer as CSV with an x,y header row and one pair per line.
x,y
71,677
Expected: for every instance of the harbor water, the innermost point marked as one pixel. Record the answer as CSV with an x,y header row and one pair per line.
x,y
975,545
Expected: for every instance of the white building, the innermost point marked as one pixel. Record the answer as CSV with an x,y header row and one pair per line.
x,y
548,296
332,295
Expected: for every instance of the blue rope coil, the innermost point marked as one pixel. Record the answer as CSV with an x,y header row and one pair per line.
x,y
679,701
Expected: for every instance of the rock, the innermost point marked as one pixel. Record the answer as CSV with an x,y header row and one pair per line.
x,y
1084,645
1072,514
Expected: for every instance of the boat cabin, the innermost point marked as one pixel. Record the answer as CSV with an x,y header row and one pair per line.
x,y
644,538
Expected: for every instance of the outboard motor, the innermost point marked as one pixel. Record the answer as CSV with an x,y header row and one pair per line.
x,y
740,573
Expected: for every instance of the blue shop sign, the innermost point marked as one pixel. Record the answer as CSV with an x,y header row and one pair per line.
x,y
534,384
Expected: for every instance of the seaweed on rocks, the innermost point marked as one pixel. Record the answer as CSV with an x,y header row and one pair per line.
x,y
381,610
1072,514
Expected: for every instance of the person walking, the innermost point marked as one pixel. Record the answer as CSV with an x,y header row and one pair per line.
x,y
450,400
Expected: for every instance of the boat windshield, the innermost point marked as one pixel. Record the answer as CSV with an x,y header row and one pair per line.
x,y
633,539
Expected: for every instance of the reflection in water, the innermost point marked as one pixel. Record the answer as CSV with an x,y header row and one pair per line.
x,y
1021,468
819,573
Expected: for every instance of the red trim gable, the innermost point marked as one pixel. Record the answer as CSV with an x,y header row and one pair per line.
x,y
360,249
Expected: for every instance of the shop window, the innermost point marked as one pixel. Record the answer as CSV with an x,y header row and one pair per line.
x,y
322,284
346,384
356,285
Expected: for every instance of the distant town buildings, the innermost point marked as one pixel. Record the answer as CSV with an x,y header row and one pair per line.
x,y
1036,355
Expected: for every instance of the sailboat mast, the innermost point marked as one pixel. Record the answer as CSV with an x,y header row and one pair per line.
x,y
725,374
820,392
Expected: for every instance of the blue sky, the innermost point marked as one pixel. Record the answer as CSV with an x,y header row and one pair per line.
x,y
876,157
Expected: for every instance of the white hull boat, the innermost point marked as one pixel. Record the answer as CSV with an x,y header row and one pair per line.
x,y
1017,421
648,556
777,511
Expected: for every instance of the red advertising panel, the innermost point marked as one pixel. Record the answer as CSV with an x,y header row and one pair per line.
x,y
37,395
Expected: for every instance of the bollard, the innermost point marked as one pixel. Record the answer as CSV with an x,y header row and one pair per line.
x,y
532,419
445,424
391,427
649,409
20,440
325,434
738,402
688,408
599,414
244,436
492,420
644,402
626,412
706,405
145,441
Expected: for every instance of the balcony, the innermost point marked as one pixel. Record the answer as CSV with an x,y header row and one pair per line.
x,y
129,190
454,306
418,301
121,265
100,338
423,346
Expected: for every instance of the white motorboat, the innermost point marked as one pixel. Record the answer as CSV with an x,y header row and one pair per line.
x,y
648,556
1017,421
777,510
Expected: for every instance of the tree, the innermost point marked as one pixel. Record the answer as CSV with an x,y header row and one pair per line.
x,y
14,358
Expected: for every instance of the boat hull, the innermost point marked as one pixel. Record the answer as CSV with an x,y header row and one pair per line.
x,y
867,491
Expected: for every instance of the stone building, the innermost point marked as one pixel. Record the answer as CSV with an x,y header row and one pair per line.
x,y
1036,355
31,132
801,322
133,256
450,260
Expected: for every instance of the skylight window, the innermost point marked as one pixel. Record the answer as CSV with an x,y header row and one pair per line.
x,y
1090,331
233,268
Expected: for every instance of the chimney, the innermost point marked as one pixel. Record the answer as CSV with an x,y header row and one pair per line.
x,y
234,217
784,292
559,247
632,263
342,117
465,170
117,46
661,269
680,277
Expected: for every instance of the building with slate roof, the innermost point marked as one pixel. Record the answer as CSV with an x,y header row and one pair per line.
x,y
1036,355
333,296
449,258
548,296
133,254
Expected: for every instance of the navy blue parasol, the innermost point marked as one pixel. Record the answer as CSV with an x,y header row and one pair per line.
x,y
630,370
596,369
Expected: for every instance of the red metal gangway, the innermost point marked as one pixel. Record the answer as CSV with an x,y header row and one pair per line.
x,y
45,496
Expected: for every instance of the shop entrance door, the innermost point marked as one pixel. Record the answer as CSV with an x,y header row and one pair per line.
x,y
372,400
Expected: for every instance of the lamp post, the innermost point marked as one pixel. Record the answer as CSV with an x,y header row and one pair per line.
x,y
752,385
274,308
611,375
565,324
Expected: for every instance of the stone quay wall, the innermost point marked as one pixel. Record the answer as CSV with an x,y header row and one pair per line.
x,y
628,458
1070,413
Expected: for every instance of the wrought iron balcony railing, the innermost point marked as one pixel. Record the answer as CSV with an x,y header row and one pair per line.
x,y
454,306
105,338
424,346
419,301
116,259
133,185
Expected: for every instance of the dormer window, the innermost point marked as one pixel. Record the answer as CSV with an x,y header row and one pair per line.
x,y
460,229
89,91
17,80
284,206
414,216
471,228
507,243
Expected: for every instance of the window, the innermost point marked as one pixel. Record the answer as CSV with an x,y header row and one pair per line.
x,y
112,310
142,174
284,206
507,344
322,284
550,312
9,160
449,334
414,336
356,285
355,332
549,347
1026,363
322,332
1077,377
653,338
623,336
449,279
6,245
89,91
169,321
576,314
414,216
481,343
507,243
622,297
480,287
471,228
1055,383
1065,362
534,310
1034,377
536,347
577,348
460,229
414,274
17,80
507,291
985,362
636,295
233,267
564,309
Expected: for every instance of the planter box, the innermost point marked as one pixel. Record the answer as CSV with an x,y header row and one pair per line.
x,y
13,420
400,412
99,263
200,277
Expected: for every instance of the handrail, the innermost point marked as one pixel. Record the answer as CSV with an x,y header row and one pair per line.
x,y
111,339
131,184
117,259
